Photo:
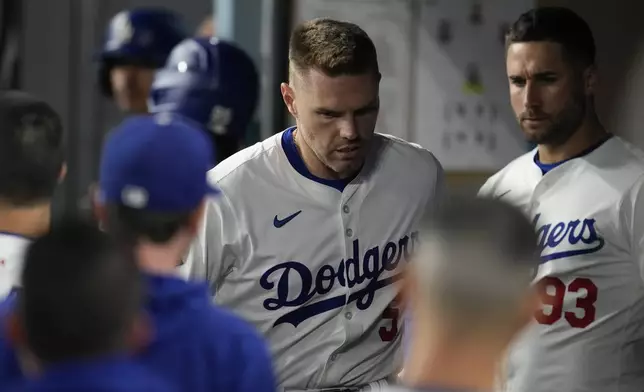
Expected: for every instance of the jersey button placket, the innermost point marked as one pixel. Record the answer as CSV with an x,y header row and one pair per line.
x,y
346,219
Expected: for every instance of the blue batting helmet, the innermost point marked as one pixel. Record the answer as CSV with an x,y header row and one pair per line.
x,y
143,37
211,82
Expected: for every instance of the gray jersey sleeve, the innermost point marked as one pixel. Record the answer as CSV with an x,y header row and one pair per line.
x,y
217,247
632,219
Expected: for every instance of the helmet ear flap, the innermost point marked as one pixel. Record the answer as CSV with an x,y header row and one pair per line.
x,y
104,79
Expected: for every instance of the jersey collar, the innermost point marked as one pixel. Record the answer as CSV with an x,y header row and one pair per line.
x,y
546,167
294,158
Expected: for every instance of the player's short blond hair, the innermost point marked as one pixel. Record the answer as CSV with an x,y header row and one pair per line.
x,y
332,47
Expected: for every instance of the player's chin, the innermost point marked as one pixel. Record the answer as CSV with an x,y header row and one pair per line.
x,y
132,103
346,168
537,135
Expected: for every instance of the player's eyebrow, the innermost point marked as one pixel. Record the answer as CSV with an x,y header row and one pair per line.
x,y
537,75
545,75
330,112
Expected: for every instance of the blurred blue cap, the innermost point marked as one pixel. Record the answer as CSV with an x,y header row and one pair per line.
x,y
156,163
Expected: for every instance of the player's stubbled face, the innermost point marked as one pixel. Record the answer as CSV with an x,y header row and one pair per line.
x,y
547,92
131,86
337,116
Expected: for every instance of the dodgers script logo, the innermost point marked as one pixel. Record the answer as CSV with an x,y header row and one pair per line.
x,y
575,232
348,273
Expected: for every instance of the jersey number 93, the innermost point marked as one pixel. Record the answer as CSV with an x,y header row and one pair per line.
x,y
553,291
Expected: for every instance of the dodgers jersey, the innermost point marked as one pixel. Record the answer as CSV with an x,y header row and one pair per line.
x,y
589,216
432,388
12,252
312,264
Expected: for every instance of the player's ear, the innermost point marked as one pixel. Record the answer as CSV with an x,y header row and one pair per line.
x,y
288,95
196,217
63,173
140,333
98,207
590,80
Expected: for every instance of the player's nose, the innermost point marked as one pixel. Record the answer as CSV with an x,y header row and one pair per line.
x,y
349,130
531,96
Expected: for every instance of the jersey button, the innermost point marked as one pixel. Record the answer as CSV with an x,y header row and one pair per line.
x,y
346,209
348,315
349,232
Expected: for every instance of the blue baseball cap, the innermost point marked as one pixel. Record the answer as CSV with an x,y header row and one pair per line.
x,y
157,163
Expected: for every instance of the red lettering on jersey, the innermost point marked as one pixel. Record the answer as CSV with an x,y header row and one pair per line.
x,y
388,334
555,301
392,313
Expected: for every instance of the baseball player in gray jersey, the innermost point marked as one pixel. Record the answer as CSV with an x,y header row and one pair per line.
x,y
315,223
469,294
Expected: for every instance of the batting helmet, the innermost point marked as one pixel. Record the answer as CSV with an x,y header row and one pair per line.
x,y
143,37
212,82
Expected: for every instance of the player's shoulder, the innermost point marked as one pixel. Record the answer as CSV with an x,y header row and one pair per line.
x,y
513,174
247,160
616,165
408,155
424,175
631,152
622,154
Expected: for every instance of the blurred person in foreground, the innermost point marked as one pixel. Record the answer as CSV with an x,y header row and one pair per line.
x,y
583,188
152,193
78,315
137,43
213,83
152,203
469,293
32,165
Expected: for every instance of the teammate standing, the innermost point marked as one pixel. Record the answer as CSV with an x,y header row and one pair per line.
x,y
207,27
79,315
152,189
582,188
213,83
469,293
32,164
315,223
137,43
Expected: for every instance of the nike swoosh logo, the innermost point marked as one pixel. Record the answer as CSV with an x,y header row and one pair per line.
x,y
501,195
281,222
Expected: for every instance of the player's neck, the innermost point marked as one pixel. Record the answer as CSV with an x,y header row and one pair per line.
x,y
312,162
160,259
589,134
441,363
31,222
